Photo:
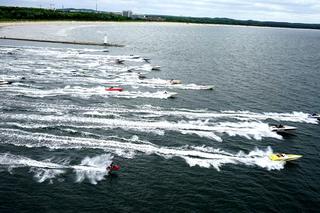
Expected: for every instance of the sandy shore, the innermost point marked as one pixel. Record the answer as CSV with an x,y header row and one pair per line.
x,y
66,23
16,23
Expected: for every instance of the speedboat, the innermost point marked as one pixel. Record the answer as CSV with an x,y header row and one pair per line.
x,y
283,157
210,87
175,81
282,128
118,89
131,70
119,61
134,56
113,167
315,115
3,82
147,60
170,94
142,76
157,68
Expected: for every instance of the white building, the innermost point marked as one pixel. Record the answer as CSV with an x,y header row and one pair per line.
x,y
127,13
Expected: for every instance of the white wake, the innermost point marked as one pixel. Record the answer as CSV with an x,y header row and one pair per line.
x,y
194,155
93,169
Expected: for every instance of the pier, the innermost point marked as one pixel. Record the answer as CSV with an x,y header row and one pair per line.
x,y
65,42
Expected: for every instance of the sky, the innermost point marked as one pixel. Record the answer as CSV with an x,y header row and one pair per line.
x,y
303,11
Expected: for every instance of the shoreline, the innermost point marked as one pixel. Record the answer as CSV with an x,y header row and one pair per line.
x,y
67,22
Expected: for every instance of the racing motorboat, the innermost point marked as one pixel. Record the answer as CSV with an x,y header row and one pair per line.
x,y
157,68
117,89
175,81
3,82
282,128
119,61
140,76
146,60
113,167
171,94
283,157
134,56
315,115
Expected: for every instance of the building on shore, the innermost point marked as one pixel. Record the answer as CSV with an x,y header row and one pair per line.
x,y
127,13
154,18
139,16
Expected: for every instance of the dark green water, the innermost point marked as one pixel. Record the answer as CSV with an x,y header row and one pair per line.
x,y
204,151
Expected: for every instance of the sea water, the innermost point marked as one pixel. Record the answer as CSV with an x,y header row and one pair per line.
x,y
203,151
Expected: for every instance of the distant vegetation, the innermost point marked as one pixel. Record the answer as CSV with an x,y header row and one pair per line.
x,y
25,14
228,21
32,14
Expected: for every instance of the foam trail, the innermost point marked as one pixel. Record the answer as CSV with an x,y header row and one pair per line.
x,y
93,169
193,155
148,111
300,117
82,92
43,170
256,157
133,80
80,55
151,111
250,130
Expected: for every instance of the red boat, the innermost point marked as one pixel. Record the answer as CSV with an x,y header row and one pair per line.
x,y
119,89
113,167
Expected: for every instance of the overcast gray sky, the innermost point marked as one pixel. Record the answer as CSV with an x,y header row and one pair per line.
x,y
307,11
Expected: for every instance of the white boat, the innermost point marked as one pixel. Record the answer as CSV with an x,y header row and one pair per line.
x,y
134,56
156,68
282,128
210,87
2,82
170,94
175,81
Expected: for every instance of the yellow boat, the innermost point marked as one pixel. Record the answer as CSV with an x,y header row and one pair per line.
x,y
283,157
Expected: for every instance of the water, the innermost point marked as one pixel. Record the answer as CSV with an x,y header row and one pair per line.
x,y
204,151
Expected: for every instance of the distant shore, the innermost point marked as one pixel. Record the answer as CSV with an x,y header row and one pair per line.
x,y
17,23
39,14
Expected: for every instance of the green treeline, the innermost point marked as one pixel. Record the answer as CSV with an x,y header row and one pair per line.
x,y
37,14
22,13
228,21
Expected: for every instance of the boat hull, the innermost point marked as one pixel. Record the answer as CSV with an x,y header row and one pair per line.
x,y
175,82
284,157
114,89
4,83
284,129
